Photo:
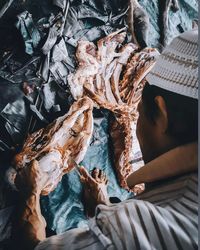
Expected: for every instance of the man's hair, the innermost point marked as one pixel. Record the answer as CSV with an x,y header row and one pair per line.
x,y
182,113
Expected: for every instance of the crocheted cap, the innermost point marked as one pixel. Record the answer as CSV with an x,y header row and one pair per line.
x,y
176,69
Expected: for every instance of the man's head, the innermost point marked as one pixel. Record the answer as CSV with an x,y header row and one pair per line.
x,y
168,109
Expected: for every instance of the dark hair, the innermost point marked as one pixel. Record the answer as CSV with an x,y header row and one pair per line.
x,y
182,113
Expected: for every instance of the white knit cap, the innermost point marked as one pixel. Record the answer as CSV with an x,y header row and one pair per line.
x,y
176,68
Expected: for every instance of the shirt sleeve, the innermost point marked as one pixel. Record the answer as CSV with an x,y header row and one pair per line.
x,y
78,238
138,224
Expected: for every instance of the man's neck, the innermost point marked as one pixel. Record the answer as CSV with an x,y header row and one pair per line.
x,y
180,160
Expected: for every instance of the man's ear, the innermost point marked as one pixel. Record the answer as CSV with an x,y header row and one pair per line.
x,y
162,119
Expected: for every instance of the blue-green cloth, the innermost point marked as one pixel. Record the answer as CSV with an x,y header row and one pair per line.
x,y
63,208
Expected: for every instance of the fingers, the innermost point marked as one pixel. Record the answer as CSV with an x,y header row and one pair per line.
x,y
83,179
65,171
85,176
34,163
139,188
95,173
105,178
34,166
99,175
84,173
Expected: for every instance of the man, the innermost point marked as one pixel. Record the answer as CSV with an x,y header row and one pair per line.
x,y
165,215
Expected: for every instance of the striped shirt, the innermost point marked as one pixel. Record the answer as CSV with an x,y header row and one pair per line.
x,y
164,217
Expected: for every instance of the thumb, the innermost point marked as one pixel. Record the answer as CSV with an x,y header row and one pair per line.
x,y
83,179
85,174
34,165
83,171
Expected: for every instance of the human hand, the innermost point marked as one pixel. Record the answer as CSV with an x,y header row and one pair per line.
x,y
31,179
95,189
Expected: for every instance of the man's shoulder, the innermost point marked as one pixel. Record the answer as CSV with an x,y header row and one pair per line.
x,y
181,189
171,188
171,212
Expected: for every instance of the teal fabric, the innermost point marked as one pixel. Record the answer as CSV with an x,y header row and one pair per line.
x,y
63,208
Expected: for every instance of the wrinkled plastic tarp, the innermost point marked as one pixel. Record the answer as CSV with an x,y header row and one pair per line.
x,y
38,49
29,32
5,225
